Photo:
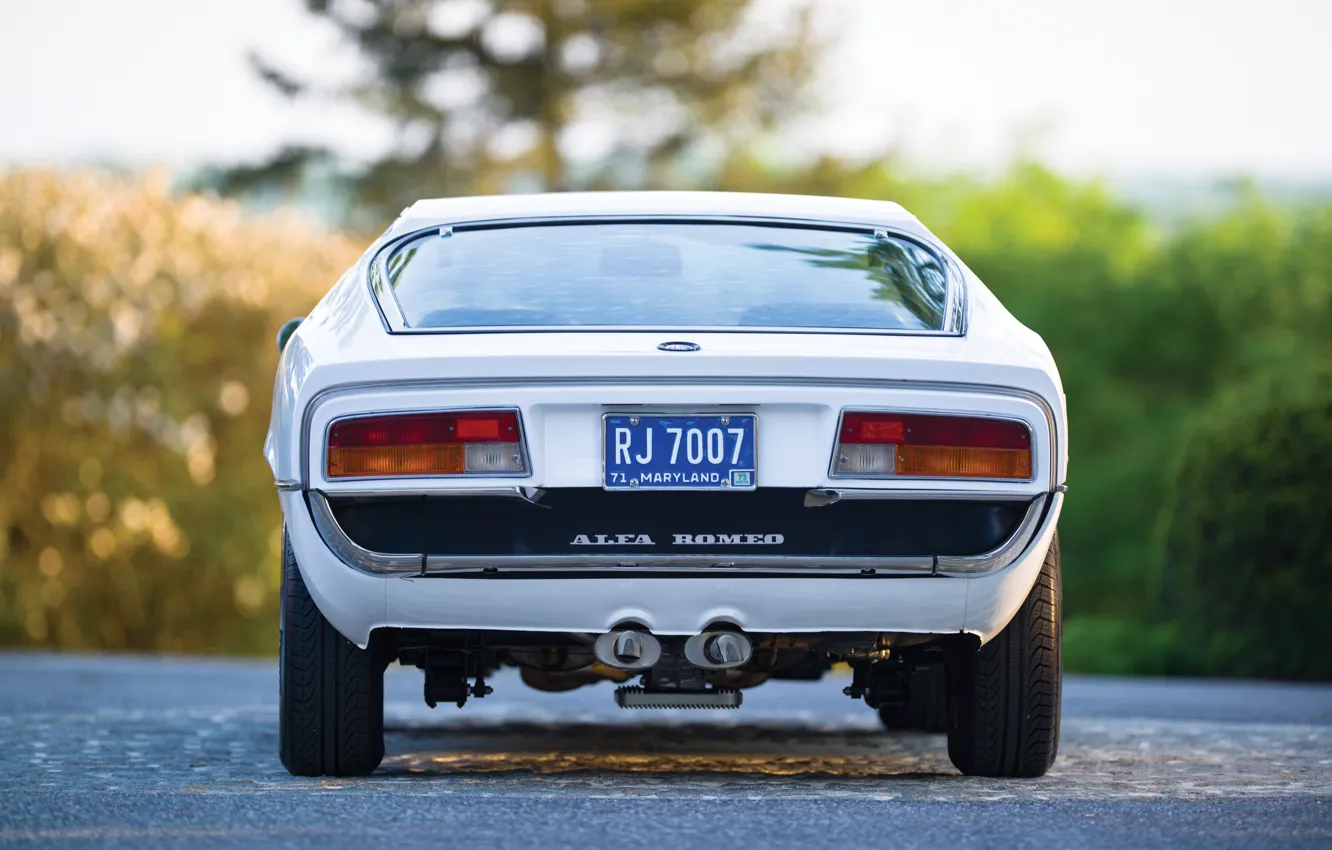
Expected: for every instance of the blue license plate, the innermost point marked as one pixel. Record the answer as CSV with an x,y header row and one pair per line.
x,y
659,452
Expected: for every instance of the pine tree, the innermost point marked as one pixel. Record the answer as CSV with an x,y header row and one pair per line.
x,y
503,96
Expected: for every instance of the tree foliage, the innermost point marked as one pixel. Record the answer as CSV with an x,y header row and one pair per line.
x,y
1247,542
136,361
489,97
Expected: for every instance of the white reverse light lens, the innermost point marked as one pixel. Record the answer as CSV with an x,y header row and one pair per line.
x,y
865,459
494,457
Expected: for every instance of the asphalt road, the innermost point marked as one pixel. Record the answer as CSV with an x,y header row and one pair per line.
x,y
146,752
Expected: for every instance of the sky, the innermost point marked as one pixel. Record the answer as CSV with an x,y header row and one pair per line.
x,y
1187,88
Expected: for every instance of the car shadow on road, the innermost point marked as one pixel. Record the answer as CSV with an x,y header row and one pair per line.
x,y
763,749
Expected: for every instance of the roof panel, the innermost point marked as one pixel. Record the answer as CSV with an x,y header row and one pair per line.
x,y
744,204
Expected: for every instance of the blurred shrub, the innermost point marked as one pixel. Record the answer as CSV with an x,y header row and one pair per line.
x,y
136,364
1248,542
1125,645
1146,329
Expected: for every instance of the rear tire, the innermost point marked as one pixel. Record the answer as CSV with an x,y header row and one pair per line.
x,y
926,708
1005,697
330,691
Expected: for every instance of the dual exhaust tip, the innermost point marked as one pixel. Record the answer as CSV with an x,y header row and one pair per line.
x,y
639,649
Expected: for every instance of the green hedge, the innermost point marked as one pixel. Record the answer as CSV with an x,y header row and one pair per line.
x,y
1248,532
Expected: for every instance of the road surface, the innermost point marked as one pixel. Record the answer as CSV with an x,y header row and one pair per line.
x,y
150,752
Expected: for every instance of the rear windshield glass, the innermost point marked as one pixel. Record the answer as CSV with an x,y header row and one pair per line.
x,y
660,274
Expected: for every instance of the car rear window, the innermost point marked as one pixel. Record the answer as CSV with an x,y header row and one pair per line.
x,y
667,274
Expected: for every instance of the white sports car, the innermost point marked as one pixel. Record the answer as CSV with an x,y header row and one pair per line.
x,y
697,440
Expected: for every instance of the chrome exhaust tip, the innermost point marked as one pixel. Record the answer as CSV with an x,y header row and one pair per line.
x,y
718,650
628,649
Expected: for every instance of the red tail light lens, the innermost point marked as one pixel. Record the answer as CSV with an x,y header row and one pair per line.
x,y
467,443
873,444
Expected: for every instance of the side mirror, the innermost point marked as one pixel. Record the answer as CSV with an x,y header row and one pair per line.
x,y
288,328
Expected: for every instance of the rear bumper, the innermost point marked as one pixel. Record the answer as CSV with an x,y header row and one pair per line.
x,y
942,597
525,533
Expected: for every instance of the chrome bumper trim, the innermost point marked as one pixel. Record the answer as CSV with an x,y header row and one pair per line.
x,y
677,563
383,563
823,496
347,549
1007,552
531,495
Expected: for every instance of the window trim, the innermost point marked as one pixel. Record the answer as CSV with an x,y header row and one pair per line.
x,y
395,321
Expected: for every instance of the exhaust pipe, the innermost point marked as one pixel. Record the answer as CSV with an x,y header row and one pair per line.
x,y
628,649
718,650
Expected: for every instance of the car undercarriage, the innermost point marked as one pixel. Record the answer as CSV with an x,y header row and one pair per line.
x,y
707,670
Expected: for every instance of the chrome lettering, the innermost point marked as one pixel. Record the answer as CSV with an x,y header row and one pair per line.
x,y
728,539
612,540
678,539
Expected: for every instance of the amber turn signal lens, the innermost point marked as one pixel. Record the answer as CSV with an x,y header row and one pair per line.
x,y
963,463
396,460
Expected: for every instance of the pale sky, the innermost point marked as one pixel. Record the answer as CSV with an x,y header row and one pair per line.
x,y
1124,88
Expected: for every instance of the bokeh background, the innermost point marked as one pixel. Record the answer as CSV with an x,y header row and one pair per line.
x,y
1148,185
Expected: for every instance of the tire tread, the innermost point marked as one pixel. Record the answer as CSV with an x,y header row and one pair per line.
x,y
331,692
1005,697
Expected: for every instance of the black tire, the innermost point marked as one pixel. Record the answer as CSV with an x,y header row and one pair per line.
x,y
926,708
1005,697
330,691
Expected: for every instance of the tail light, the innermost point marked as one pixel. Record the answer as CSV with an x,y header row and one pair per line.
x,y
481,442
870,445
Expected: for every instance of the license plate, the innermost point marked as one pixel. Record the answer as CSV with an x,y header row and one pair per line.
x,y
662,452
